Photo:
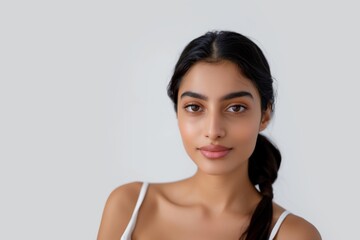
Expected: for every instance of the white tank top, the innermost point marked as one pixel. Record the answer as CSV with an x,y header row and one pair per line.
x,y
130,227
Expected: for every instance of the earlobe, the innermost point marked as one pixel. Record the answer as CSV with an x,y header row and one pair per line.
x,y
265,119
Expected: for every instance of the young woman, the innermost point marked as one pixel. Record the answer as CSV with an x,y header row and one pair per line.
x,y
223,97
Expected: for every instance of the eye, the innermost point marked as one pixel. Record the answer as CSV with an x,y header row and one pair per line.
x,y
236,108
193,108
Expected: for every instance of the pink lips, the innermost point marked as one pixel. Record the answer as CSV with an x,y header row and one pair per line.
x,y
214,151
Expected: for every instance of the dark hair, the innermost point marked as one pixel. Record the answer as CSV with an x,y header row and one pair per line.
x,y
264,162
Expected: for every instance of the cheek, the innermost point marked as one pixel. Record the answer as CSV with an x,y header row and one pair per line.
x,y
188,129
246,135
247,131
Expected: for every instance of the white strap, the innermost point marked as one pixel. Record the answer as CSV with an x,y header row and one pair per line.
x,y
130,227
278,224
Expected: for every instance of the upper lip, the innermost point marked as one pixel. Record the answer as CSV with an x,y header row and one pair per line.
x,y
214,148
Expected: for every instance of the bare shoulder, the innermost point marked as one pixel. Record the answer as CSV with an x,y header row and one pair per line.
x,y
118,210
297,228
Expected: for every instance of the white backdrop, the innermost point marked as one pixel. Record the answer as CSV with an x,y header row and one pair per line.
x,y
83,105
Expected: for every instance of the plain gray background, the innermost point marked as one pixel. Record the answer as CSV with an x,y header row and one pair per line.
x,y
83,105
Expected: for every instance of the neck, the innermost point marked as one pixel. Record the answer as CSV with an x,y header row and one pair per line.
x,y
220,193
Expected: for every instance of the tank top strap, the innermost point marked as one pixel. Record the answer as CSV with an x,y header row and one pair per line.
x,y
131,225
278,224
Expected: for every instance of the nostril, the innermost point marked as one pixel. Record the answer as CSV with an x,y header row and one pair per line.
x,y
217,135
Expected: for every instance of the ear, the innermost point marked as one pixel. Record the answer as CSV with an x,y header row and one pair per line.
x,y
265,119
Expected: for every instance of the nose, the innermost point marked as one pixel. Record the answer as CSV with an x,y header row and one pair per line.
x,y
214,127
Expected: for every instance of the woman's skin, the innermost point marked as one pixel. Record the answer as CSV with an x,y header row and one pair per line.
x,y
219,117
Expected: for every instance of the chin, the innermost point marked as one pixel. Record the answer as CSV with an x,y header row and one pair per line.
x,y
221,167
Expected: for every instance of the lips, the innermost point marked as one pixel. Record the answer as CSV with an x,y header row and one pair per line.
x,y
214,151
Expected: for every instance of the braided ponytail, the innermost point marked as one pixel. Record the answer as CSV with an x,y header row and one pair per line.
x,y
264,164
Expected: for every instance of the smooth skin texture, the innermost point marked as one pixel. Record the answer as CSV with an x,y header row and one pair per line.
x,y
217,105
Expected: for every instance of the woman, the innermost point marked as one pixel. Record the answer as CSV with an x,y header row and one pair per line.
x,y
223,97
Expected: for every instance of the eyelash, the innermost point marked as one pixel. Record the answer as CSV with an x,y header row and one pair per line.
x,y
189,106
238,106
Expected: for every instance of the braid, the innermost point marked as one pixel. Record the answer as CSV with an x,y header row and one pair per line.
x,y
264,164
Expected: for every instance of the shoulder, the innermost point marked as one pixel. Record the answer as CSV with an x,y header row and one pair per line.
x,y
124,197
118,210
297,228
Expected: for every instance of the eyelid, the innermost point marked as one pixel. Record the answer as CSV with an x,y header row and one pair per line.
x,y
186,106
244,107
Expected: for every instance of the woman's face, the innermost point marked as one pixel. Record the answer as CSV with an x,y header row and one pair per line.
x,y
219,116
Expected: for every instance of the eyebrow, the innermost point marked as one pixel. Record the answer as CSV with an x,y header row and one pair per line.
x,y
226,97
237,94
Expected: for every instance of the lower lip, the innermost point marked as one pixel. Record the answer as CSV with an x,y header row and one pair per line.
x,y
214,155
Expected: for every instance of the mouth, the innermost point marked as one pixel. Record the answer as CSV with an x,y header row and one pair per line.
x,y
214,151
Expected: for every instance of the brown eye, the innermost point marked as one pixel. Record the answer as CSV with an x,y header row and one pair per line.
x,y
193,108
237,108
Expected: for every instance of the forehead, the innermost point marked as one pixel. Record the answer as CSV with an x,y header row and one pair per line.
x,y
216,79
